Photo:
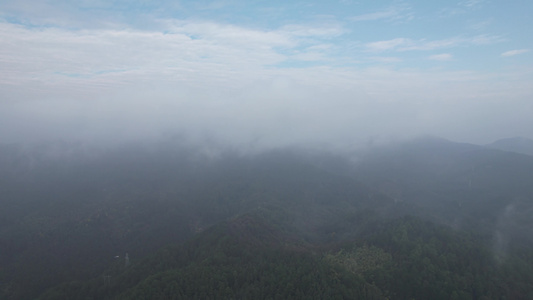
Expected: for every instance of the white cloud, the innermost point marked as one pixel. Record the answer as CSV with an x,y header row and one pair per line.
x,y
514,52
472,3
230,34
327,31
98,58
208,77
47,54
432,45
462,7
388,44
441,57
394,13
309,56
386,59
405,44
480,26
485,39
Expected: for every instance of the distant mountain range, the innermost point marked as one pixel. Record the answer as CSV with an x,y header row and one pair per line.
x,y
516,144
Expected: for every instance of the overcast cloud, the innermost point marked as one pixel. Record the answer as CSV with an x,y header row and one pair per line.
x,y
316,80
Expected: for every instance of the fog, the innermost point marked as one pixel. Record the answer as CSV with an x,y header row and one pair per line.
x,y
266,149
69,73
283,109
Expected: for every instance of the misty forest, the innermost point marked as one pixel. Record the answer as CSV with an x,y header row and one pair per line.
x,y
230,149
426,218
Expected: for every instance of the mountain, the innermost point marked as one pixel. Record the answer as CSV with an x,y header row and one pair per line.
x,y
461,185
249,257
66,219
423,219
516,144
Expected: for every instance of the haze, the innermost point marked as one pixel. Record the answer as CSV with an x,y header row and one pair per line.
x,y
265,74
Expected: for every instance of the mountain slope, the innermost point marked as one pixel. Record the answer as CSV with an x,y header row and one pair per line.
x,y
70,217
66,219
463,185
255,257
516,144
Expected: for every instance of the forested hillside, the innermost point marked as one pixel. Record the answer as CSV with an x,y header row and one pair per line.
x,y
428,219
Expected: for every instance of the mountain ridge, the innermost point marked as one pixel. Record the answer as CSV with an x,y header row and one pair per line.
x,y
515,144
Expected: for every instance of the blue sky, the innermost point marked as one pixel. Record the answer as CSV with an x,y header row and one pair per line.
x,y
266,73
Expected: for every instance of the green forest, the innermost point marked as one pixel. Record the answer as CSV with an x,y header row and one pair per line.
x,y
425,219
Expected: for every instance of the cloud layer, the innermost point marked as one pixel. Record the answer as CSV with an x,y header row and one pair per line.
x,y
253,86
515,52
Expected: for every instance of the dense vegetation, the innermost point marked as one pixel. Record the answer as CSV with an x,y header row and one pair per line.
x,y
430,219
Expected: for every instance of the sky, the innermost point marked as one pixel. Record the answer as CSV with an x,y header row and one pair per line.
x,y
266,73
